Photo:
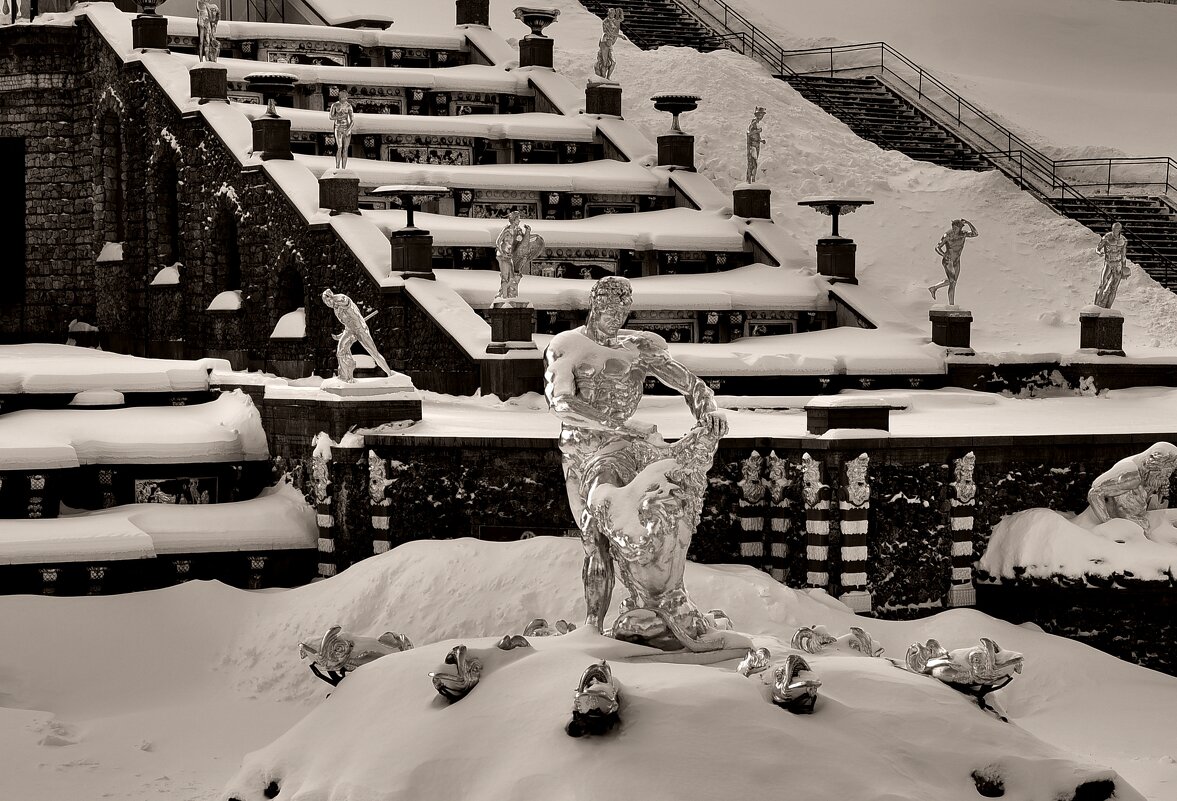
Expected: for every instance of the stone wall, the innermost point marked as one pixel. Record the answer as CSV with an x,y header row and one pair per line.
x,y
111,159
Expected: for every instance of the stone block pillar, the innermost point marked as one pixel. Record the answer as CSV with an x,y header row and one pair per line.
x,y
473,12
752,201
149,32
377,485
752,511
209,82
511,327
835,258
339,190
602,98
1101,330
854,512
324,516
536,51
962,508
350,504
676,150
271,138
412,253
817,523
952,328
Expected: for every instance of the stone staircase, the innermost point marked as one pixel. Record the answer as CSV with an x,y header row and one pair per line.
x,y
1146,220
654,23
878,115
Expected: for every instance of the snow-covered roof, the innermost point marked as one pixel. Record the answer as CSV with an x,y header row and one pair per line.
x,y
278,519
394,36
41,368
228,429
607,177
464,78
668,229
754,287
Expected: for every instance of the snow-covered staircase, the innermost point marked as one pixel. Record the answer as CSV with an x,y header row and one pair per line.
x,y
654,23
1149,223
879,115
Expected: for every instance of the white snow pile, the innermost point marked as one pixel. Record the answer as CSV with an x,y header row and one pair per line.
x,y
1042,543
279,518
228,429
38,367
211,673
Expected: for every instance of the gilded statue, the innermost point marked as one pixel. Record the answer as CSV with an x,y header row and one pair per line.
x,y
355,329
343,116
208,14
515,247
949,248
755,140
1113,247
1134,486
610,32
636,498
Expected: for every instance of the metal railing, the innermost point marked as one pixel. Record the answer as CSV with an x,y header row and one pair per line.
x,y
1033,170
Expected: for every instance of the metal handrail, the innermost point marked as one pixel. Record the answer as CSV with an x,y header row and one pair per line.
x,y
1034,170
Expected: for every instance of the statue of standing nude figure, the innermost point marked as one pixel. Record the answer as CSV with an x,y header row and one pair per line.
x,y
755,140
1114,249
515,247
949,249
610,32
342,114
636,498
208,14
355,329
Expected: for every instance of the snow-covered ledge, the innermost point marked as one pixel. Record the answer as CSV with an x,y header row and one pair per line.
x,y
842,412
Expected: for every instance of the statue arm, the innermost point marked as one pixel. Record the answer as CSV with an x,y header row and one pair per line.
x,y
1099,494
972,229
942,246
699,397
563,397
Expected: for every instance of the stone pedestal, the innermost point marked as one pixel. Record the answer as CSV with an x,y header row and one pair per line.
x,y
271,138
473,12
536,51
836,412
602,98
1102,331
835,258
676,150
339,191
412,253
149,32
208,82
511,327
952,328
754,202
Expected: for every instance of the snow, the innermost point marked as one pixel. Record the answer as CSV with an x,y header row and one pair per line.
x,y
46,368
278,519
465,78
111,251
212,673
167,276
228,429
98,397
1025,277
531,125
953,413
609,177
292,325
1042,543
668,229
229,300
232,30
756,286
1070,73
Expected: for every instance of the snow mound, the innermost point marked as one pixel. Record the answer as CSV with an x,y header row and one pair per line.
x,y
384,733
1042,543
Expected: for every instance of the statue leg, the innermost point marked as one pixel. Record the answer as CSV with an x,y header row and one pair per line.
x,y
370,346
347,364
598,571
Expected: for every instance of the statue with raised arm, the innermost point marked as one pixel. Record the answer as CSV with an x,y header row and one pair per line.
x,y
755,140
208,14
1134,487
610,32
949,249
355,329
1113,247
636,498
342,114
515,247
